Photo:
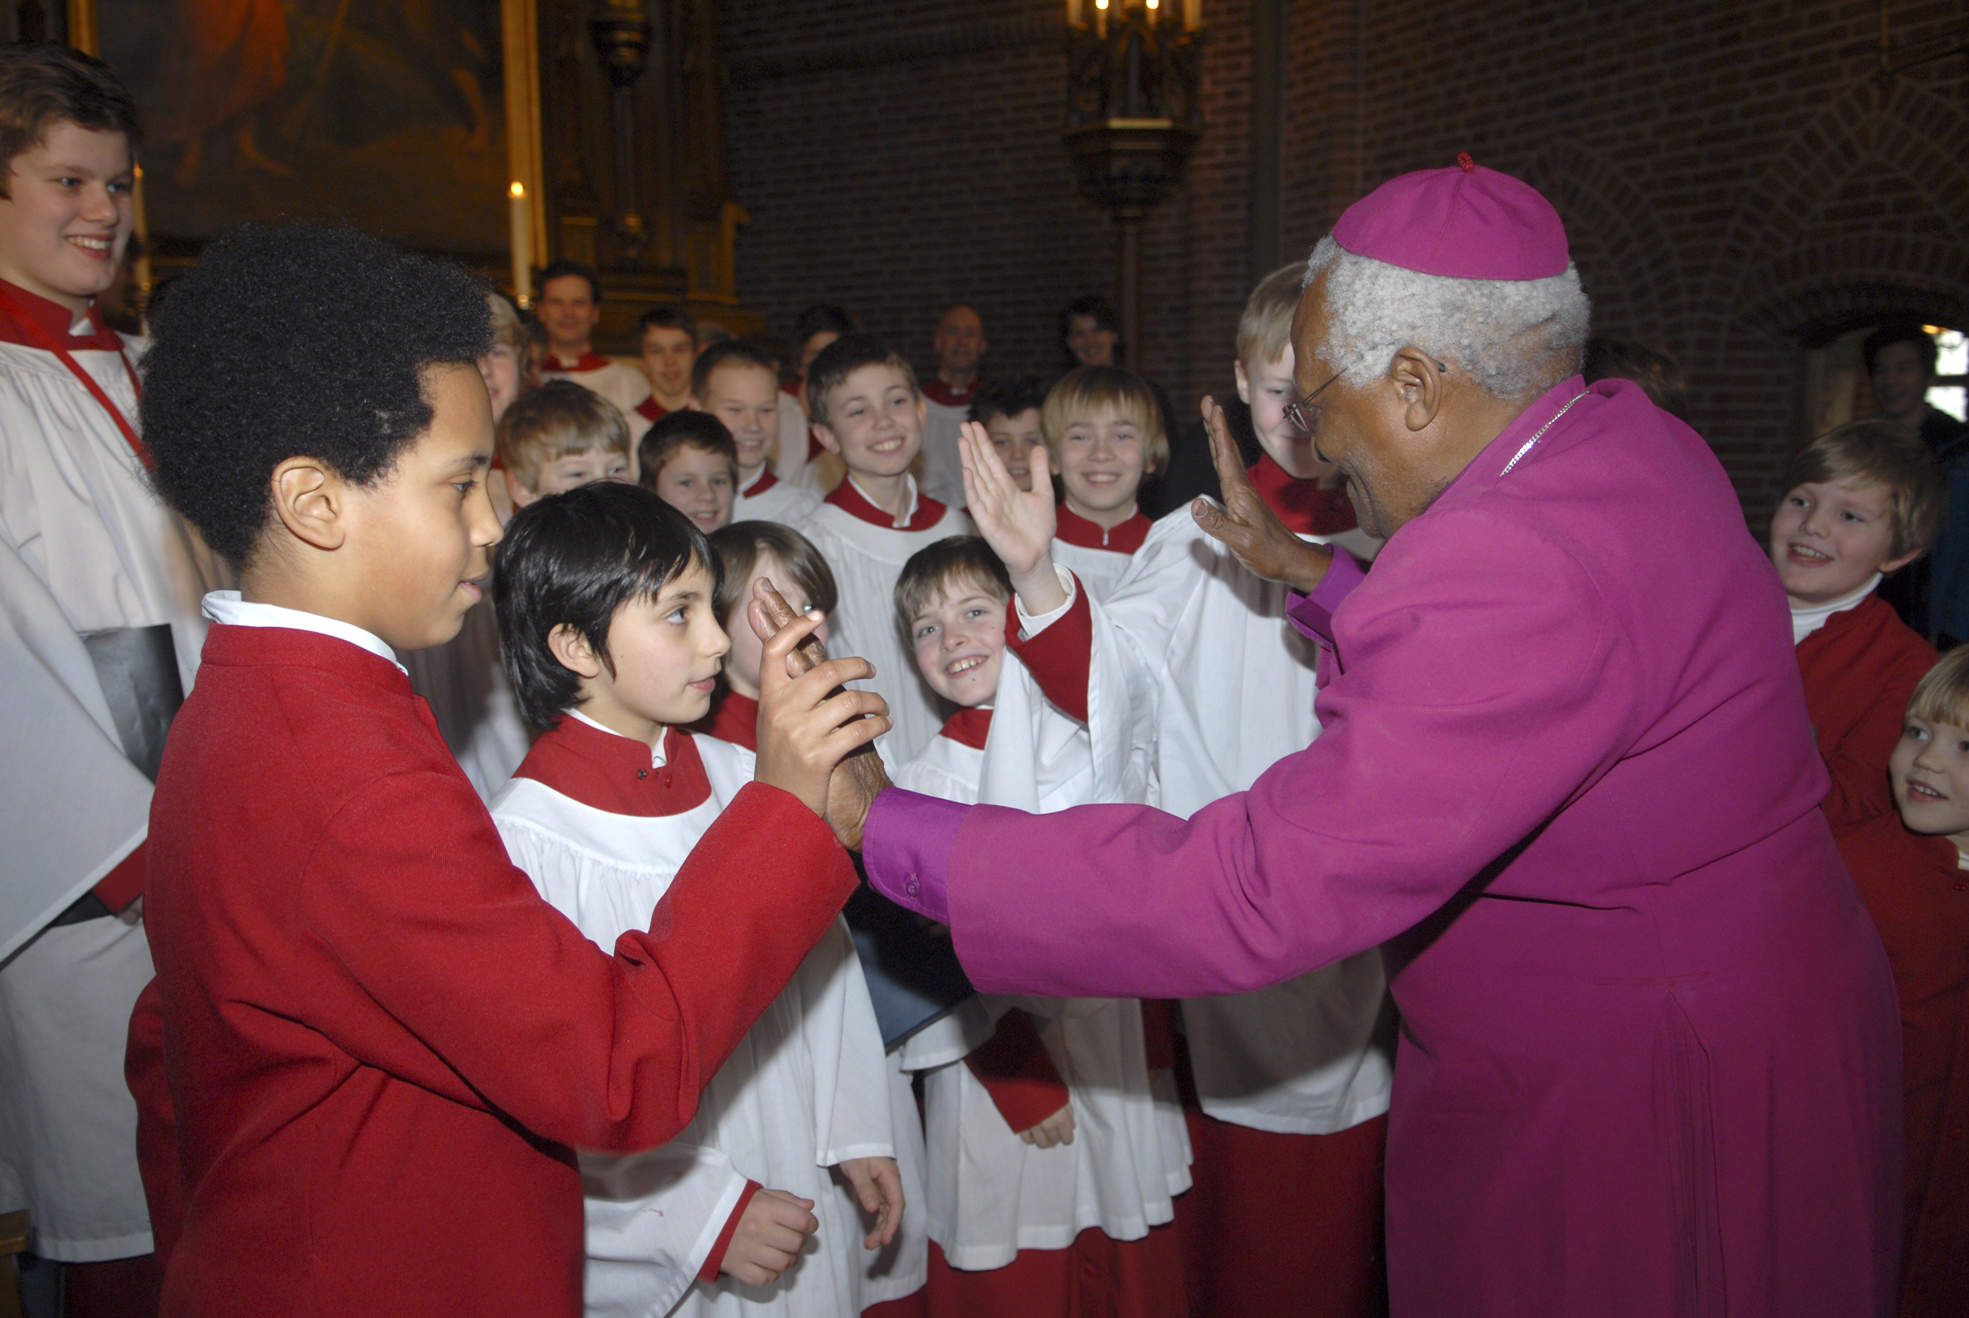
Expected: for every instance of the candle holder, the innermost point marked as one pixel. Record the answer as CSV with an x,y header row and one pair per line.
x,y
621,31
1133,116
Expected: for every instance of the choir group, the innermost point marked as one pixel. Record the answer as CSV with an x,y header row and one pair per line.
x,y
475,943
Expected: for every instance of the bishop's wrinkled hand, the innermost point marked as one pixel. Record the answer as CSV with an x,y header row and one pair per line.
x,y
860,776
1246,526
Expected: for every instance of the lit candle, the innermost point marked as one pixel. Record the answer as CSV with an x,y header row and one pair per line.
x,y
1192,13
1073,13
522,237
141,226
1101,17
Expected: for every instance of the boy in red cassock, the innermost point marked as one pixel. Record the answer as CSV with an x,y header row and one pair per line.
x,y
371,1046
1861,502
1913,870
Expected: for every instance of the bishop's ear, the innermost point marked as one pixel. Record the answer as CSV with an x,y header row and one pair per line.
x,y
312,502
1418,381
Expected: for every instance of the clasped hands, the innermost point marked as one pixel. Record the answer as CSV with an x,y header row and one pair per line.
x,y
816,736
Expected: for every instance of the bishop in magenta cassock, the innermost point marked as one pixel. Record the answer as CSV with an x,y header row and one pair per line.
x,y
1648,1061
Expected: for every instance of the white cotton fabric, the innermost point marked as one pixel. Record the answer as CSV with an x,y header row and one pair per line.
x,y
866,560
791,463
1198,684
85,546
785,503
624,385
807,1087
943,470
1099,570
992,1194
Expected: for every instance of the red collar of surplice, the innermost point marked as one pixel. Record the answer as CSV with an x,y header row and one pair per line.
x,y
733,718
847,496
969,727
765,482
1125,538
938,391
34,321
1305,506
609,772
588,361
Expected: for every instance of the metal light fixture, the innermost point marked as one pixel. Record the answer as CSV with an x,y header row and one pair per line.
x,y
1134,68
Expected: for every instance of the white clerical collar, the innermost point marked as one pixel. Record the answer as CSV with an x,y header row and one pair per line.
x,y
907,517
1808,620
659,754
229,608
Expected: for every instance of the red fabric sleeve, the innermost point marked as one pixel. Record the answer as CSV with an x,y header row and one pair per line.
x,y
157,1134
1018,1073
1059,656
714,1262
124,884
1159,1034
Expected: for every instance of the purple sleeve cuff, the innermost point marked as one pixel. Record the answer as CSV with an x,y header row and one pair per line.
x,y
1313,614
905,847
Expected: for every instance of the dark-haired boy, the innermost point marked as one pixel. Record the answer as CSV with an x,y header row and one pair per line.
x,y
666,338
868,411
569,308
1009,409
99,636
739,385
371,1048
688,460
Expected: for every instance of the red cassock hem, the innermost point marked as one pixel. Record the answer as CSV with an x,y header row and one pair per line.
x,y
1286,1225
1096,1277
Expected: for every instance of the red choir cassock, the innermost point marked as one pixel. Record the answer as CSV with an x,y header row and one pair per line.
x,y
1860,671
1918,892
371,1046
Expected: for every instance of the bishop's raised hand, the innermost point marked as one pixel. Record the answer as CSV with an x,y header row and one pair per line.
x,y
1246,526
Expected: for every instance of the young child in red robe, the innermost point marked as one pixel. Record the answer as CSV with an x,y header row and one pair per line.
x,y
1861,502
689,461
370,1044
747,551
1912,868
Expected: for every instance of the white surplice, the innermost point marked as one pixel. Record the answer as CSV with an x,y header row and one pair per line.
x,y
991,1193
1099,570
622,384
806,1088
943,470
866,560
790,461
1198,684
85,546
782,502
470,697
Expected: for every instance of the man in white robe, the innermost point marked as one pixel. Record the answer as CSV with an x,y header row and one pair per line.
x,y
947,397
99,637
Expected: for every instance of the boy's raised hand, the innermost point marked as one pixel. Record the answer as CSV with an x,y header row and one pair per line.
x,y
878,1189
808,724
1018,524
1249,528
771,1233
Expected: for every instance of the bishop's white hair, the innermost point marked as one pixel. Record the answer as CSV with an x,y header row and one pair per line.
x,y
1516,337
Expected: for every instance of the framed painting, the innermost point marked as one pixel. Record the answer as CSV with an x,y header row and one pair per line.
x,y
410,119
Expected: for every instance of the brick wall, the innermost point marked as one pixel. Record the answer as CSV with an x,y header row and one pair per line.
x,y
1734,181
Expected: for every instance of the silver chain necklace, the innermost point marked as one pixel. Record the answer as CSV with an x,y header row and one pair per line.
x,y
1541,432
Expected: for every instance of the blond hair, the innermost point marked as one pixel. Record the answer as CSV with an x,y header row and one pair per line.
x,y
555,421
1092,391
508,330
1943,695
1264,331
1880,452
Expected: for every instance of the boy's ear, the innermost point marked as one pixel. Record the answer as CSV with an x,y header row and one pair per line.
x,y
573,652
825,434
1894,565
1243,382
520,494
311,502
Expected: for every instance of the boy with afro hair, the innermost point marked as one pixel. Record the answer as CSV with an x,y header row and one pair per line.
x,y
371,1048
